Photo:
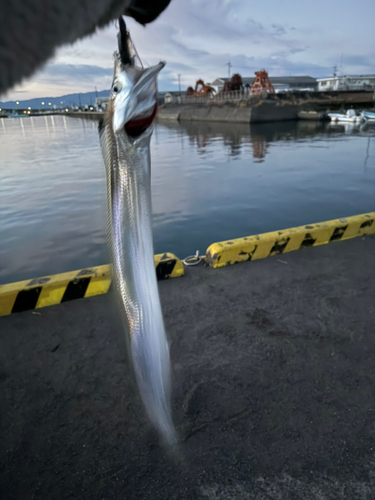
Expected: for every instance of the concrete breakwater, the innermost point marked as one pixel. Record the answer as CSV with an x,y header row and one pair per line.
x,y
216,112
256,110
237,112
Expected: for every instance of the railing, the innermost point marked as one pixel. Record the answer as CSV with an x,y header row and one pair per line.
x,y
221,96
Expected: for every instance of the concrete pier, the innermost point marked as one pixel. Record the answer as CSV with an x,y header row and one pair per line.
x,y
231,112
276,107
273,388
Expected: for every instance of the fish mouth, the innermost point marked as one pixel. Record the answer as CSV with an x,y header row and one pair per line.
x,y
138,125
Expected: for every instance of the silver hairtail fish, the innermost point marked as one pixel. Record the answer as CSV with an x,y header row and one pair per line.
x,y
125,141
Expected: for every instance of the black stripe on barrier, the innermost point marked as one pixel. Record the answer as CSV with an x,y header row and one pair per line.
x,y
164,269
76,289
308,241
249,254
367,223
279,246
338,233
26,299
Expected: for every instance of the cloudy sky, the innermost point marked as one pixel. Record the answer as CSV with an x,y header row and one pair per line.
x,y
198,37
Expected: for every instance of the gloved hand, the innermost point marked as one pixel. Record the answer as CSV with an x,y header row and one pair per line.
x,y
31,30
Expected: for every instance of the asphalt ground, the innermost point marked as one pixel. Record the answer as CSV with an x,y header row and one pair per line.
x,y
273,388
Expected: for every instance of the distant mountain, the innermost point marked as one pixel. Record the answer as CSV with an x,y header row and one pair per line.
x,y
67,101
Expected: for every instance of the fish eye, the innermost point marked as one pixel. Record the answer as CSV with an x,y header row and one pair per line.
x,y
116,87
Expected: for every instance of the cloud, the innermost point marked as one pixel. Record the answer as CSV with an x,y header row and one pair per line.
x,y
359,60
199,37
279,29
76,71
58,79
73,74
283,54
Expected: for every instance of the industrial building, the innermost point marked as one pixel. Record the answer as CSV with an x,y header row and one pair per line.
x,y
347,82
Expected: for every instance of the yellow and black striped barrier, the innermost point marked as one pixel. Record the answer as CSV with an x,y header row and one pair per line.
x,y
264,245
50,290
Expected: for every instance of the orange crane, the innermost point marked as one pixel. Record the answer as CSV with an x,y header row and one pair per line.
x,y
203,90
234,84
262,84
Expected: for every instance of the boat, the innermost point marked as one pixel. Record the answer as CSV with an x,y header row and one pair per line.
x,y
368,115
350,116
312,115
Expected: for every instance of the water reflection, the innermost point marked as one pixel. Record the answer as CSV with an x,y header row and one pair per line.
x,y
260,148
207,185
346,128
202,134
368,127
46,122
22,127
309,128
259,136
239,138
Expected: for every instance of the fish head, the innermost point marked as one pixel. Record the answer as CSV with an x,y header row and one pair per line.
x,y
133,100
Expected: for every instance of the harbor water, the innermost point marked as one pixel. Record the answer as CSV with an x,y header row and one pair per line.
x,y
210,182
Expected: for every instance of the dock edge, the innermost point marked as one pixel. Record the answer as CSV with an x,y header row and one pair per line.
x,y
57,288
264,245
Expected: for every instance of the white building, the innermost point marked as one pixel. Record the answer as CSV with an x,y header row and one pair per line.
x,y
347,82
168,98
101,103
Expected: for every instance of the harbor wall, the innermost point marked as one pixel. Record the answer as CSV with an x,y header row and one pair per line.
x,y
225,112
267,111
278,107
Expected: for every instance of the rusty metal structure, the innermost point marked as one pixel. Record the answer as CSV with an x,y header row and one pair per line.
x,y
262,84
201,89
234,84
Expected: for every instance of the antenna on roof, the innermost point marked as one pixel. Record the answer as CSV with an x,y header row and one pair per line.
x,y
334,71
229,64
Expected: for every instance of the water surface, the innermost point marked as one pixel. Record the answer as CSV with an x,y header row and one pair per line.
x,y
210,182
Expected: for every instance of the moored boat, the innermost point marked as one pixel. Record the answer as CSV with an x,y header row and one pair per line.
x,y
368,115
350,116
312,115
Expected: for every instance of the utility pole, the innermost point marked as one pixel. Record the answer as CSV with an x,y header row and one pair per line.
x,y
229,66
179,83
